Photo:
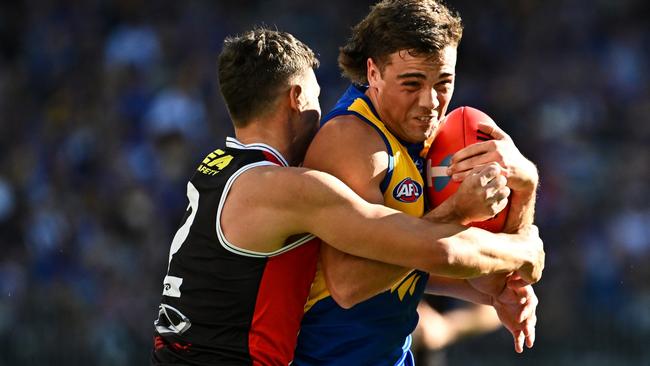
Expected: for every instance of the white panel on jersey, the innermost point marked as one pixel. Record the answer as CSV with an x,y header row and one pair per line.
x,y
172,286
171,320
245,252
234,143
181,234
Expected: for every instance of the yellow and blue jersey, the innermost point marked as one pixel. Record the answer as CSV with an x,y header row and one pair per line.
x,y
376,331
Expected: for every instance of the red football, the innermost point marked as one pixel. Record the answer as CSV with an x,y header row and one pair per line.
x,y
458,130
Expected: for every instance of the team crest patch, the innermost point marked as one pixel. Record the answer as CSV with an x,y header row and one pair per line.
x,y
408,190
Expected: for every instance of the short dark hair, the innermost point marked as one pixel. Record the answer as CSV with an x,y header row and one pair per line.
x,y
255,66
419,26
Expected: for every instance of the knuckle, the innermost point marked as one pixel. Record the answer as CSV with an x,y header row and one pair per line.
x,y
493,169
501,181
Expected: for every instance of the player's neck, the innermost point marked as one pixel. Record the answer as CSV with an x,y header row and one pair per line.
x,y
266,132
371,93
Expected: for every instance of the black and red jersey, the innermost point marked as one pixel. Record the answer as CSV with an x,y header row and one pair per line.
x,y
223,305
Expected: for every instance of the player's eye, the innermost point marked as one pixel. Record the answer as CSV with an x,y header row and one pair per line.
x,y
445,84
411,84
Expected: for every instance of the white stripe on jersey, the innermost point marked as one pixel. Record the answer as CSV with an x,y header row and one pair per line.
x,y
245,252
233,143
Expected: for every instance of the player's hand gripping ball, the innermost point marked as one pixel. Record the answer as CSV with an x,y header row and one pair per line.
x,y
458,130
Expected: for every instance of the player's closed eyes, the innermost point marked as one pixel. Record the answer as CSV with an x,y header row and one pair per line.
x,y
411,84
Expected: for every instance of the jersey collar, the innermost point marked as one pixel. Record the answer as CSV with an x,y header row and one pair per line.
x,y
233,143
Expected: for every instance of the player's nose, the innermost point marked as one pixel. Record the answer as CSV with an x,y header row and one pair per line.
x,y
429,99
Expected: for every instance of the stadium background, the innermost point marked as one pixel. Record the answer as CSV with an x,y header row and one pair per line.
x,y
105,108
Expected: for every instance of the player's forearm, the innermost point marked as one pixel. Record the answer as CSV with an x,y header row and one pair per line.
x,y
522,199
351,280
386,235
441,249
474,252
445,213
456,288
522,210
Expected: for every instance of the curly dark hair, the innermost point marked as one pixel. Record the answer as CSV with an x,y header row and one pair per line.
x,y
419,26
255,66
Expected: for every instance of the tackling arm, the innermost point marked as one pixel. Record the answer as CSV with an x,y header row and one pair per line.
x,y
291,201
361,161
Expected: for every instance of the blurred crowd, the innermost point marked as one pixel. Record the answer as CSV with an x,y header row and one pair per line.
x,y
106,108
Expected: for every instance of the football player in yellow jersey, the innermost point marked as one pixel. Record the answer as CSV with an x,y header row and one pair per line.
x,y
401,60
240,266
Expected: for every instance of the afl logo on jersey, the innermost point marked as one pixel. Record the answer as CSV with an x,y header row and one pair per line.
x,y
407,191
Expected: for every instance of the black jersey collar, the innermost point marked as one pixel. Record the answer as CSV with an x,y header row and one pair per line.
x,y
233,143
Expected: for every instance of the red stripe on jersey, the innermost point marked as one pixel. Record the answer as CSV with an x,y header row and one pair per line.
x,y
158,342
272,158
279,308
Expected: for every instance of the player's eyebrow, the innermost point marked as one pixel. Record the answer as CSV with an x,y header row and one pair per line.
x,y
411,75
419,75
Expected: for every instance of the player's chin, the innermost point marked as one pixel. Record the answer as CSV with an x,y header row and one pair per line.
x,y
425,129
420,134
417,138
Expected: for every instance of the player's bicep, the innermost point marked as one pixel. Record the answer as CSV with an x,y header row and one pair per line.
x,y
297,200
336,214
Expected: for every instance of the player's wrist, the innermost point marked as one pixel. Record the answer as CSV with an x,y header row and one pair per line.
x,y
447,213
525,179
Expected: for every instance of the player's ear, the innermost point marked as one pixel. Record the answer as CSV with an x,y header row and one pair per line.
x,y
373,73
296,98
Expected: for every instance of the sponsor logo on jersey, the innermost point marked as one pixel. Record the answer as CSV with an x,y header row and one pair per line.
x,y
215,162
171,320
172,286
408,190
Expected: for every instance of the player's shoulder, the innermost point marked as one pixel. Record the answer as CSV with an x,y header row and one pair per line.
x,y
349,124
282,187
351,150
270,179
349,134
